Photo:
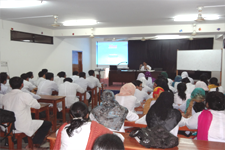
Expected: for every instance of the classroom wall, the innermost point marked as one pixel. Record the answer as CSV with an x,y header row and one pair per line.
x,y
23,57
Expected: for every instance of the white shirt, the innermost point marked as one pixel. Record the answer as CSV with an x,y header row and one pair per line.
x,y
143,68
220,88
46,87
27,85
32,81
59,81
131,116
179,101
79,138
217,128
20,103
93,82
84,84
140,95
1,103
4,89
190,88
130,102
35,96
69,90
39,80
74,77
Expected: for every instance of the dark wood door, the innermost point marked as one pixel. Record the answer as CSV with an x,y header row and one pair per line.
x,y
77,61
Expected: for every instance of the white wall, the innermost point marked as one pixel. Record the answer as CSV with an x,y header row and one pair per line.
x,y
23,57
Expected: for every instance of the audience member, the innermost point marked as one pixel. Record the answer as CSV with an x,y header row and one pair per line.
x,y
31,77
185,75
177,80
26,84
139,94
92,81
146,84
190,86
182,96
214,85
4,87
75,76
41,78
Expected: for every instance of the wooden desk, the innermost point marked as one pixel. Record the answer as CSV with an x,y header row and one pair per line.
x,y
184,144
54,100
44,107
125,76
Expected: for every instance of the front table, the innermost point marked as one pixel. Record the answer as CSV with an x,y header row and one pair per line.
x,y
54,100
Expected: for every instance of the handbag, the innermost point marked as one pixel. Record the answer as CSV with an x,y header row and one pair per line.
x,y
155,137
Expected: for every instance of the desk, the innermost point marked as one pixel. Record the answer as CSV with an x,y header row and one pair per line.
x,y
44,107
184,144
127,75
54,100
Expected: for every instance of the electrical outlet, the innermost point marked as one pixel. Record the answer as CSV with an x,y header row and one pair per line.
x,y
4,63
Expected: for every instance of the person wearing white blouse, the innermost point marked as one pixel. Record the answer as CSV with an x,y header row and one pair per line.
x,y
61,76
145,67
92,81
4,87
41,78
20,103
27,85
75,76
181,97
139,94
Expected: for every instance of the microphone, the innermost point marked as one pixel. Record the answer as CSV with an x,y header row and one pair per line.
x,y
121,62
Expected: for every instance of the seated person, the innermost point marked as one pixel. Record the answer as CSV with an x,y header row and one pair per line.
x,y
83,83
47,86
190,86
26,84
176,81
41,78
108,142
164,75
126,97
204,78
79,133
111,114
75,76
214,85
184,74
201,84
145,83
139,94
163,114
62,76
92,81
181,97
1,95
4,87
31,77
44,71
149,79
210,123
20,103
69,89
144,67
157,91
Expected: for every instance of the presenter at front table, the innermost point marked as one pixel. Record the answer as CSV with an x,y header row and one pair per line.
x,y
144,67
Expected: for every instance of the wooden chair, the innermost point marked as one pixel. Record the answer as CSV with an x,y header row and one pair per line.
x,y
94,96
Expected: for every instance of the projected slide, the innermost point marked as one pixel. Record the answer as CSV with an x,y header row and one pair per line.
x,y
111,53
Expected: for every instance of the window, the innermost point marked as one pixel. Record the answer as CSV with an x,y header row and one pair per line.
x,y
30,38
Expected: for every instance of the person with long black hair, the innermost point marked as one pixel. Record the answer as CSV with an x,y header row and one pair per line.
x,y
214,85
181,96
79,133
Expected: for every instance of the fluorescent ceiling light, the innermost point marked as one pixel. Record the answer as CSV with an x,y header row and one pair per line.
x,y
79,22
194,17
170,37
19,3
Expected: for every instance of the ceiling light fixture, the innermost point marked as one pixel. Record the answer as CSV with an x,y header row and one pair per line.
x,y
20,4
79,22
170,37
193,17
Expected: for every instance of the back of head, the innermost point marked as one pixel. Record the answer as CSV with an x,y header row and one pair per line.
x,y
75,73
127,89
216,101
49,76
201,84
108,142
68,80
44,71
198,94
204,78
82,74
91,72
30,74
164,74
162,82
181,87
3,77
41,74
24,76
184,74
61,74
214,81
137,83
198,107
16,82
79,115
185,80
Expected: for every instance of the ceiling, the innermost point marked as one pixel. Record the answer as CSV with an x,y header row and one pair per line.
x,y
113,13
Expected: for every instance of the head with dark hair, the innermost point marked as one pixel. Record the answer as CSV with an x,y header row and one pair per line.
x,y
82,74
75,73
214,81
49,76
181,87
16,82
185,80
91,72
138,84
3,78
161,82
30,74
24,76
108,142
44,71
41,74
215,101
68,80
6,74
199,107
79,115
61,74
204,78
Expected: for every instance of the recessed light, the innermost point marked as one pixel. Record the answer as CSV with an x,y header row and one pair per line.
x,y
169,37
79,22
20,4
193,17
